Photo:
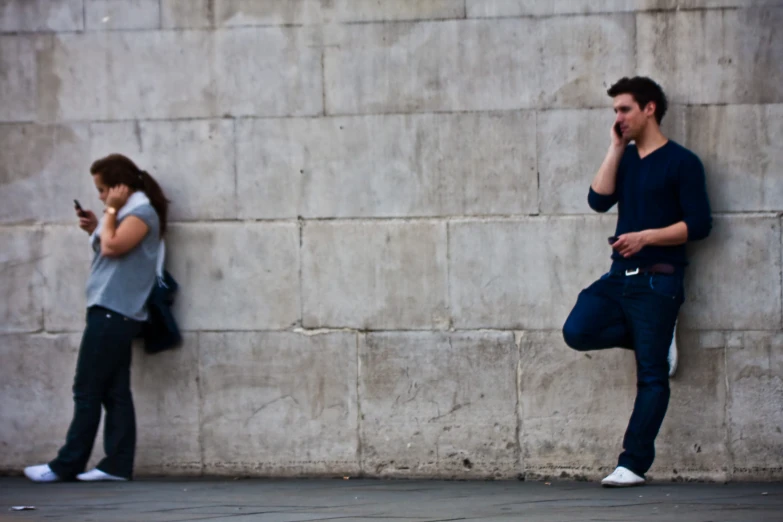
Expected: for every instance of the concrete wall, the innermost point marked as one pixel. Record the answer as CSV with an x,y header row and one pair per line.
x,y
381,225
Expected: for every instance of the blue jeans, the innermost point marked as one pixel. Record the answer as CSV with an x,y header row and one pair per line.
x,y
102,379
637,312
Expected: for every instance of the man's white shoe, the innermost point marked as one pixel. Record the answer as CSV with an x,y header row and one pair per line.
x,y
672,357
96,475
622,478
41,473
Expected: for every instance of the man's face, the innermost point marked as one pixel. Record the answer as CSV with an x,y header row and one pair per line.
x,y
632,118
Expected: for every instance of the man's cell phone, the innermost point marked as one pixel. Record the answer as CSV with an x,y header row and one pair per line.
x,y
618,130
78,207
613,239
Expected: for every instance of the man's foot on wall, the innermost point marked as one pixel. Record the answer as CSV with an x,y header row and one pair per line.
x,y
622,478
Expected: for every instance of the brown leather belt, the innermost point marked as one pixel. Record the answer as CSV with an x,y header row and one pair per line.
x,y
658,268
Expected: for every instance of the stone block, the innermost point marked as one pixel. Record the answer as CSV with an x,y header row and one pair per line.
x,y
105,15
285,62
17,83
167,401
438,404
249,281
21,283
279,403
162,75
388,166
692,443
526,273
43,169
362,11
187,14
571,146
476,65
41,15
720,294
755,380
65,268
35,382
573,407
192,160
504,8
231,13
375,275
738,145
714,56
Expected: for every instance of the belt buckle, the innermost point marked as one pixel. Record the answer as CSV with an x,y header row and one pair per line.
x,y
632,272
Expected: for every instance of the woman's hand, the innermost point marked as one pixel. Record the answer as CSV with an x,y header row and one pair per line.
x,y
87,220
118,196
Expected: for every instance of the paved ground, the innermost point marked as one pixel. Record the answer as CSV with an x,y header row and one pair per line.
x,y
381,500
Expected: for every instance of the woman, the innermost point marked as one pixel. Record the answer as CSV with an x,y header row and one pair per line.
x,y
127,243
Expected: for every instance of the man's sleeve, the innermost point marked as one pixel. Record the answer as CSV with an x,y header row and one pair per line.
x,y
693,199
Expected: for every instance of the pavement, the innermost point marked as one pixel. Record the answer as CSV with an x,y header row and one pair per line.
x,y
261,500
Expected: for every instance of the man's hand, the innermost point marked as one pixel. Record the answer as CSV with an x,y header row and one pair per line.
x,y
630,243
87,220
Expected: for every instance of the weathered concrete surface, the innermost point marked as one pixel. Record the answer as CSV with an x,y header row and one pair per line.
x,y
390,501
738,146
65,267
35,382
524,274
21,284
17,61
105,15
193,160
502,8
351,275
41,15
680,50
388,166
249,281
754,362
255,383
245,13
476,65
720,292
425,412
166,395
572,426
44,168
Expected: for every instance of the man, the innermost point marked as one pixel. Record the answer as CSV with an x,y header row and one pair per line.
x,y
662,203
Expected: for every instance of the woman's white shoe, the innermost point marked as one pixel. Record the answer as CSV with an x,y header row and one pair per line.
x,y
41,473
96,475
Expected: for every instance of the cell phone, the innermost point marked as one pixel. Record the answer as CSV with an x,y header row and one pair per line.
x,y
78,207
618,130
613,239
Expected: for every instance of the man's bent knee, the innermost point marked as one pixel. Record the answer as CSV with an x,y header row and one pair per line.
x,y
576,338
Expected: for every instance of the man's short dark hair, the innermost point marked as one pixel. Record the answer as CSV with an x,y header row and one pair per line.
x,y
644,90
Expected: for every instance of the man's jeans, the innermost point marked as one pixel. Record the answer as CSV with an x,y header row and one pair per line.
x,y
102,378
637,312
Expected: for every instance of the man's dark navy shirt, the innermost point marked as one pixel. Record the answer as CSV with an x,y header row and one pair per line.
x,y
663,188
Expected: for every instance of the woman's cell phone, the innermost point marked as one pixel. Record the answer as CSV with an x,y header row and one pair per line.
x,y
78,207
613,239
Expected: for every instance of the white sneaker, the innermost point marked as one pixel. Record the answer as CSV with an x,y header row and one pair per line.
x,y
96,475
41,473
622,478
672,357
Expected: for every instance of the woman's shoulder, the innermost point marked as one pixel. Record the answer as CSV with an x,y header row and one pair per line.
x,y
146,212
